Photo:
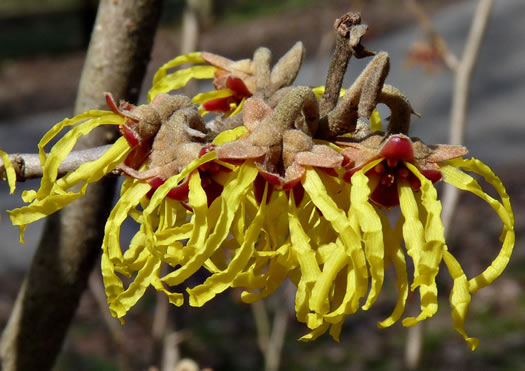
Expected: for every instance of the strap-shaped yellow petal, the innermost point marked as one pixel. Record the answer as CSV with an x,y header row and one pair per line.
x,y
230,135
459,298
192,58
59,197
170,236
9,171
229,201
273,279
129,200
371,227
109,117
463,181
129,297
413,234
212,94
349,303
335,330
313,185
221,281
198,201
393,251
64,146
175,298
136,254
432,252
39,209
93,171
304,253
237,107
413,231
111,252
314,334
375,121
320,299
179,79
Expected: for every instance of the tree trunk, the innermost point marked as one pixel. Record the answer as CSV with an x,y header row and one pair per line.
x,y
118,54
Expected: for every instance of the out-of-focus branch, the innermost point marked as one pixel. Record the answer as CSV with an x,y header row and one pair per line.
x,y
449,58
27,165
262,324
462,80
196,16
119,51
460,97
270,339
96,287
464,71
275,346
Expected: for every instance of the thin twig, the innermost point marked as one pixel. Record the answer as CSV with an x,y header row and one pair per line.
x,y
262,325
462,82
275,346
116,61
448,57
96,287
27,165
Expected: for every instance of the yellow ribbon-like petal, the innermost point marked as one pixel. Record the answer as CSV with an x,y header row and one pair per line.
x,y
459,298
9,171
317,192
212,94
227,136
432,250
413,234
465,182
64,146
111,252
310,270
193,58
129,297
219,282
59,196
179,79
230,199
375,121
371,226
393,251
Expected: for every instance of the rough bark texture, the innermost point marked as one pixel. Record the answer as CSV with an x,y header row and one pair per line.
x,y
118,54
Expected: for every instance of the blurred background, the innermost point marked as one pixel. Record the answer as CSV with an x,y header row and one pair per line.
x,y
43,45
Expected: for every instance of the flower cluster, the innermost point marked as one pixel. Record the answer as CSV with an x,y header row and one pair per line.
x,y
272,189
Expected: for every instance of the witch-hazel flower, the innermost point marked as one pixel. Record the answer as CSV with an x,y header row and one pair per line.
x,y
289,193
392,169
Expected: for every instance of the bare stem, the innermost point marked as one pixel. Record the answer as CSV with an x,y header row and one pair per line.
x,y
116,61
273,353
262,324
348,33
462,82
27,165
451,61
270,340
96,287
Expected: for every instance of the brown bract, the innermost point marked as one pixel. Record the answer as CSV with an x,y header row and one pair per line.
x,y
280,139
178,141
256,74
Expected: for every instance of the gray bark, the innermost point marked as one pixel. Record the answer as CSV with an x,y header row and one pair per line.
x,y
116,61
